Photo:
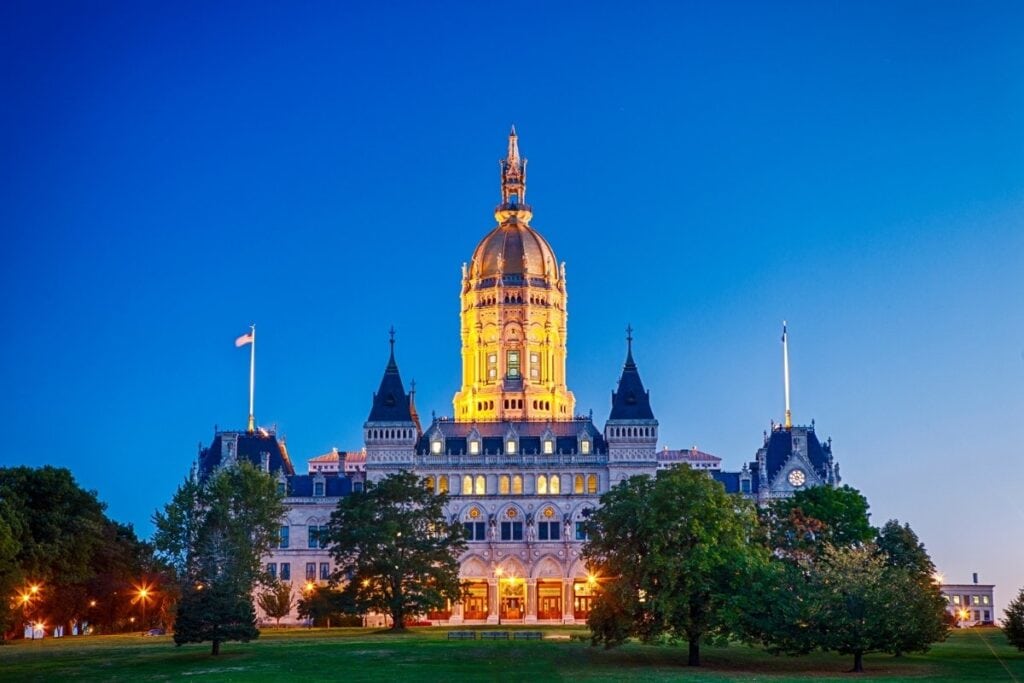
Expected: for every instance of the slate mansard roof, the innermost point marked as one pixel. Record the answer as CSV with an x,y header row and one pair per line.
x,y
567,434
251,447
301,485
779,448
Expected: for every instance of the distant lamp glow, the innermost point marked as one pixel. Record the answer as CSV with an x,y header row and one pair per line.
x,y
34,588
498,571
366,583
92,603
309,586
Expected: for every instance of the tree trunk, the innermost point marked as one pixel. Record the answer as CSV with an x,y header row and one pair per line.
x,y
694,659
216,647
858,662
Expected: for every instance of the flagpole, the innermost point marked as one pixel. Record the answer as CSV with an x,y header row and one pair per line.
x,y
252,379
785,372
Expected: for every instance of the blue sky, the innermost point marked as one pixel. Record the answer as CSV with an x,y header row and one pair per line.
x,y
169,174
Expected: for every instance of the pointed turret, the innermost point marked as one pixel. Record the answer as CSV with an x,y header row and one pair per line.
x,y
391,403
631,401
631,430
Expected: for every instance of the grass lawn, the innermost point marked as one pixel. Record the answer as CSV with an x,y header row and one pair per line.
x,y
425,654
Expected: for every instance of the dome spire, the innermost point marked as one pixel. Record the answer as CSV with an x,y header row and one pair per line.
x,y
513,175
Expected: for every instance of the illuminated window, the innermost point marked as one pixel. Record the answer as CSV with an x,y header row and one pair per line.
x,y
549,446
577,485
517,485
435,446
584,447
442,484
984,599
592,484
975,600
504,484
553,484
467,485
512,364
956,599
481,485
474,447
542,485
429,484
510,446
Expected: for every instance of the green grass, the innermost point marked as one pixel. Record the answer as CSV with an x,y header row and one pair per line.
x,y
425,654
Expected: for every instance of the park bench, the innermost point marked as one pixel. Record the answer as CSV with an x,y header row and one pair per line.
x,y
494,635
461,635
528,635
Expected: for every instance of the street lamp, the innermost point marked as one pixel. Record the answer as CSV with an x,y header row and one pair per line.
x,y
142,594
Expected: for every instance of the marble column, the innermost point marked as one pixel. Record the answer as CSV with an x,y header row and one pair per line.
x,y
567,607
492,601
531,601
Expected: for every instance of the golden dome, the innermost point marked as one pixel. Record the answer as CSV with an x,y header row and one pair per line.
x,y
514,248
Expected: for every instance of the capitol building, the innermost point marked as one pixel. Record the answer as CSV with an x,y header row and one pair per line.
x,y
522,469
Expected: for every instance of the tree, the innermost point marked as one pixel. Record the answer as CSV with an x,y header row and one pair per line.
x,y
668,552
818,516
922,603
214,533
322,605
277,602
1013,621
396,550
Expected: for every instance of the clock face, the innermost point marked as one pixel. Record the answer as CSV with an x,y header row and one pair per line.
x,y
797,478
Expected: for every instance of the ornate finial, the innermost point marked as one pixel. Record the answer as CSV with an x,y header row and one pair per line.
x,y
391,334
412,387
513,176
629,336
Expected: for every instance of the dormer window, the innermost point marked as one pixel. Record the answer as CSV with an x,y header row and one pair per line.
x,y
318,488
474,447
436,446
549,446
585,446
510,446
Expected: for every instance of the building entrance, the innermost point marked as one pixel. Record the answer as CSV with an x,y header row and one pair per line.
x,y
549,599
513,598
475,603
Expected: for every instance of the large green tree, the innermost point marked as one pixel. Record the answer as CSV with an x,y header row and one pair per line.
x,y
669,552
215,532
816,517
1013,621
394,548
56,536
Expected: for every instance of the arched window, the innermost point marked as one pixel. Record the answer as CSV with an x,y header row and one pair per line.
x,y
503,485
553,484
542,485
467,485
517,485
442,484
430,484
577,486
481,485
592,484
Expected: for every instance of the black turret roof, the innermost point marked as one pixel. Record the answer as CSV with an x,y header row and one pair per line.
x,y
250,447
631,401
391,403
